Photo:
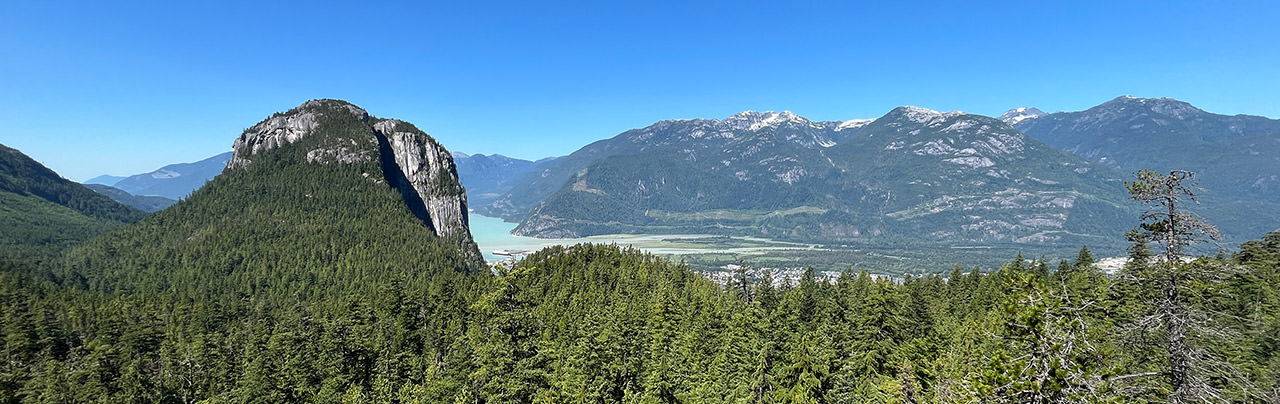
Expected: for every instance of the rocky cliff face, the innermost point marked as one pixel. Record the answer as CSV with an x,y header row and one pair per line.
x,y
429,172
394,152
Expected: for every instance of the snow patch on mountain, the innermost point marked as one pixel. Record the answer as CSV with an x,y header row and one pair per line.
x,y
752,120
1021,114
165,174
926,116
853,124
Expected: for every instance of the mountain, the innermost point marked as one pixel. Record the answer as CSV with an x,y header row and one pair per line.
x,y
43,213
700,140
1021,114
104,180
911,176
173,181
145,203
325,192
1236,158
488,177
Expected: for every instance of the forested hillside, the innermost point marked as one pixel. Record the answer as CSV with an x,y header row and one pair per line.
x,y
42,213
598,324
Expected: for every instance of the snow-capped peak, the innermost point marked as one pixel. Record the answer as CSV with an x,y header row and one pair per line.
x,y
925,115
753,120
853,124
1021,114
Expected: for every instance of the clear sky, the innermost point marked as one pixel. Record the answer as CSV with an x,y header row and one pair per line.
x,y
121,88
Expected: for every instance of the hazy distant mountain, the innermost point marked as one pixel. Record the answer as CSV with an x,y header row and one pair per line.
x,y
104,180
174,181
488,177
1237,158
145,203
911,176
41,212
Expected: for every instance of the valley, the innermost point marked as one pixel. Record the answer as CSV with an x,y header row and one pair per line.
x,y
713,255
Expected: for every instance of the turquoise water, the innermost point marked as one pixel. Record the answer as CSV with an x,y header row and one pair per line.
x,y
493,234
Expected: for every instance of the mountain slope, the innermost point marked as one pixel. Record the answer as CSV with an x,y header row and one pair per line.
x,y
325,189
144,203
174,181
740,145
489,177
911,176
104,180
1236,158
43,213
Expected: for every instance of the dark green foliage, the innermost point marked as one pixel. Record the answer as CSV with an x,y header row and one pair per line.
x,y
586,323
21,175
41,213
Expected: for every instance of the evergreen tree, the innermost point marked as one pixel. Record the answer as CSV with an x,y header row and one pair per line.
x,y
1169,318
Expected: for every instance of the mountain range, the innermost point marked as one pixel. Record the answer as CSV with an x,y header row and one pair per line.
x,y
909,177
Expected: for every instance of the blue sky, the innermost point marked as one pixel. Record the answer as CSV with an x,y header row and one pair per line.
x,y
121,88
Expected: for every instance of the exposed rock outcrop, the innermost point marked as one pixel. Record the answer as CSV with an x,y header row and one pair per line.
x,y
336,132
430,172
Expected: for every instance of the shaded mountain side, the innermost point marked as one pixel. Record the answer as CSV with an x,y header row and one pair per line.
x,y
488,177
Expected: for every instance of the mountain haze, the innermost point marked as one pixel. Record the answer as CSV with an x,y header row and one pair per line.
x,y
145,203
173,181
488,177
104,180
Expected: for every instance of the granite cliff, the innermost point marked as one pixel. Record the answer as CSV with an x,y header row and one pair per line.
x,y
385,151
